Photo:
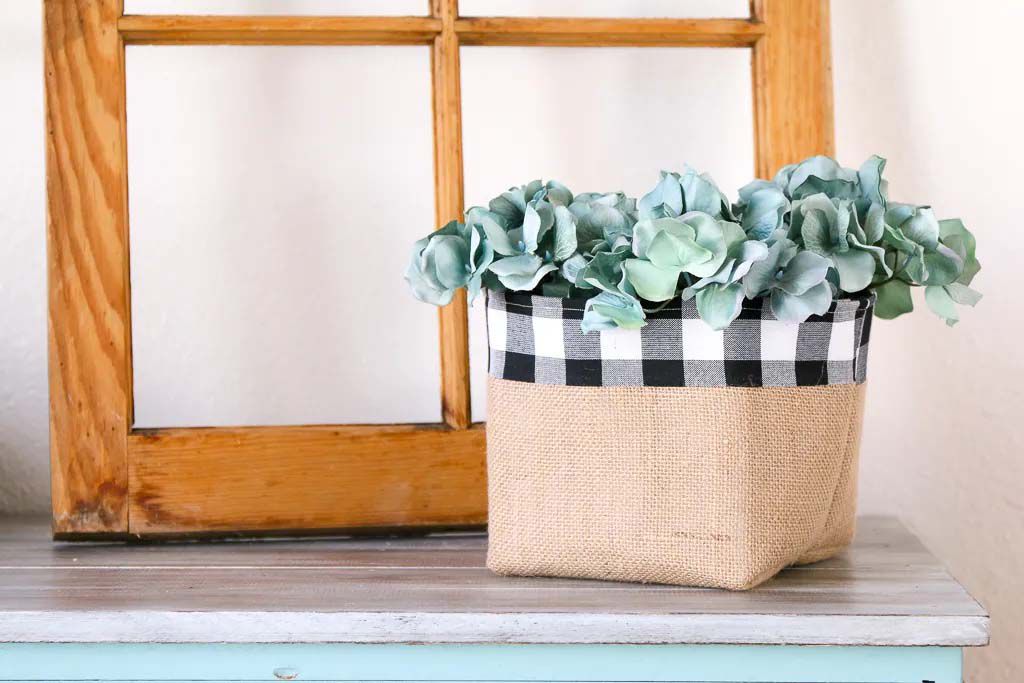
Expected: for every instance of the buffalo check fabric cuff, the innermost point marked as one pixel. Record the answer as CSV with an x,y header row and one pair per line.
x,y
538,339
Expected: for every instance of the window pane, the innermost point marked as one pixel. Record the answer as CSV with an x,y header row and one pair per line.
x,y
274,196
258,7
695,9
600,119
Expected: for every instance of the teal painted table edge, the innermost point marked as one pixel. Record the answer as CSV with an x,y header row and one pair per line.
x,y
357,662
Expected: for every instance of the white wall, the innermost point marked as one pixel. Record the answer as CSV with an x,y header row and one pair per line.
x,y
934,86
930,85
24,457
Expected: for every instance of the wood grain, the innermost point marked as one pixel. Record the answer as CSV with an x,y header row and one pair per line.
x,y
449,205
305,478
792,71
580,32
586,32
87,266
886,590
277,30
193,481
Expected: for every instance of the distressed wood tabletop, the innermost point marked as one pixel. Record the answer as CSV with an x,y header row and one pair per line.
x,y
887,589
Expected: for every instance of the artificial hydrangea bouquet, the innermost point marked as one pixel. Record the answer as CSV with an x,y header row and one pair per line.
x,y
815,233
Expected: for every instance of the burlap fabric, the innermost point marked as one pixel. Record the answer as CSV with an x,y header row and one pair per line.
x,y
697,486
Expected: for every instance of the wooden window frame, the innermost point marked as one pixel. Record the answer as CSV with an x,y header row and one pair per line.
x,y
110,479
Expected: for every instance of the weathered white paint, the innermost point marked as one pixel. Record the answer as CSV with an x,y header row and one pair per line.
x,y
886,590
123,626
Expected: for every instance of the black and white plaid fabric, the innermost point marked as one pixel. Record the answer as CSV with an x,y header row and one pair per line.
x,y
538,339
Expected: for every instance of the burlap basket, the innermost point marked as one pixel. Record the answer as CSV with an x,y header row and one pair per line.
x,y
671,454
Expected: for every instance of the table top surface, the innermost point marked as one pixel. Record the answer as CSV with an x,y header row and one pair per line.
x,y
886,589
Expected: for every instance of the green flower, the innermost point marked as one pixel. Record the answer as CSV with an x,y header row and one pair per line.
x,y
530,230
762,208
954,235
794,279
819,174
677,194
521,273
922,258
511,204
824,175
453,257
601,218
665,248
816,230
720,296
609,310
829,227
873,190
937,254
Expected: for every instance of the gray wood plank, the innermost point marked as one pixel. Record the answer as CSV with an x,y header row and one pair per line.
x,y
886,589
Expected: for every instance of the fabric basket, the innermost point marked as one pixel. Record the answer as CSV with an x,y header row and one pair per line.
x,y
671,454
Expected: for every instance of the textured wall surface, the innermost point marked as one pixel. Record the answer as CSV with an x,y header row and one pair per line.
x,y
931,86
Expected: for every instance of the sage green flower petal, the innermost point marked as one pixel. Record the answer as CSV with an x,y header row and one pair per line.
x,y
711,236
942,304
601,217
665,200
700,193
565,233
425,291
425,286
494,231
783,175
646,230
816,225
510,205
893,299
650,281
856,269
803,272
532,189
939,267
605,271
482,256
609,310
559,289
922,228
763,206
750,253
537,220
527,282
822,174
573,267
448,256
521,273
680,253
440,264
490,282
524,264
761,276
954,235
881,270
720,304
557,193
874,224
873,188
823,224
796,308
962,294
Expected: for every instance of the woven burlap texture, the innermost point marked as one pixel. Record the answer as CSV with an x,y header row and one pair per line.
x,y
719,487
